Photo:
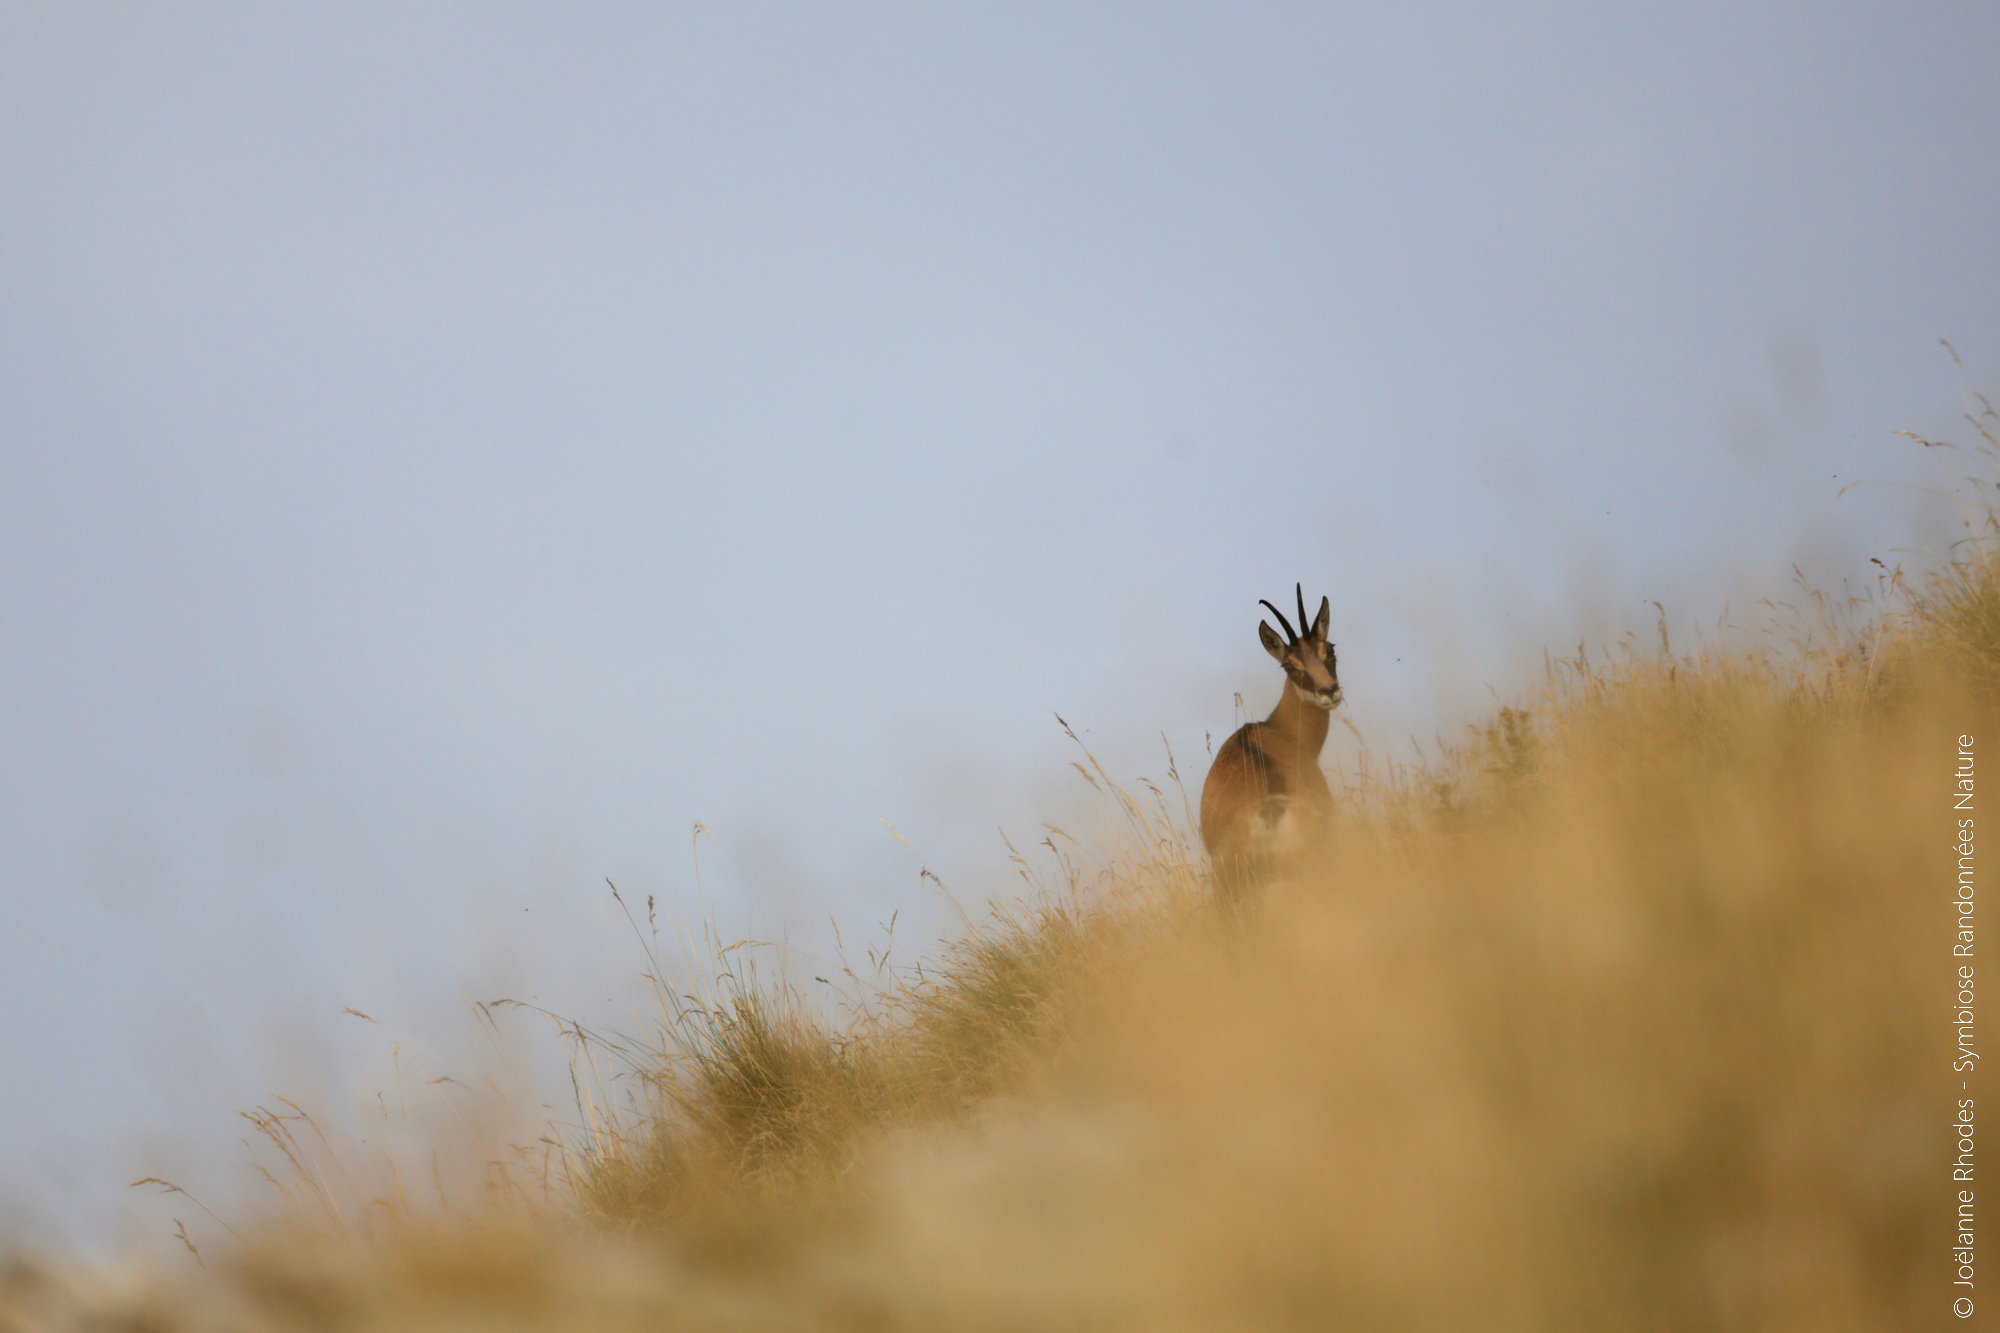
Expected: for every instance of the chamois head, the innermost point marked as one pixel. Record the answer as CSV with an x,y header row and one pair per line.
x,y
1308,659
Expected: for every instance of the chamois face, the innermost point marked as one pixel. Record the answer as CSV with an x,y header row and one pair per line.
x,y
1308,660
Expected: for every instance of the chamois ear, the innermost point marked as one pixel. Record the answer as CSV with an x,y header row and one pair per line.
x,y
1273,645
1319,621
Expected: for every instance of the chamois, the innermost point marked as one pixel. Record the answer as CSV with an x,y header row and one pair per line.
x,y
1265,802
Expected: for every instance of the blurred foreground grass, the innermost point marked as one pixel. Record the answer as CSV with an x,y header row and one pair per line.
x,y
1630,1014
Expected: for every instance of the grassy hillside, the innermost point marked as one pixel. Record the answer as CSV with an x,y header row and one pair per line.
x,y
1631,1013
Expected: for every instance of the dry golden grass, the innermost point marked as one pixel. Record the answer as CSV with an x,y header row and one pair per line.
x,y
1629,1014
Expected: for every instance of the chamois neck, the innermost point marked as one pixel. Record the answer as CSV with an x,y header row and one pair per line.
x,y
1304,721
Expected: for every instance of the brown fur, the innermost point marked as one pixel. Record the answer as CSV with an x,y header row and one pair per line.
x,y
1265,803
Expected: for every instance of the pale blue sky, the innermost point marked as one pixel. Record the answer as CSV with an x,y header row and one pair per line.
x,y
450,449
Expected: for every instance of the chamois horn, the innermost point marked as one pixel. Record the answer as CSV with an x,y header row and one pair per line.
x,y
1289,636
